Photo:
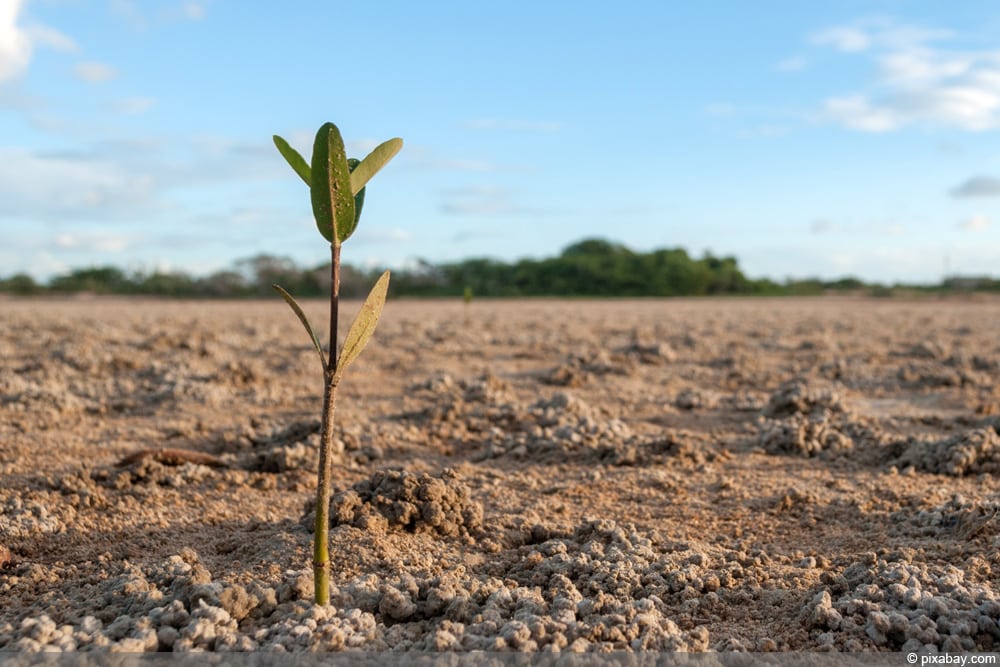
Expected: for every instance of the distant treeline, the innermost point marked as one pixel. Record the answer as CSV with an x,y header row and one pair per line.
x,y
592,267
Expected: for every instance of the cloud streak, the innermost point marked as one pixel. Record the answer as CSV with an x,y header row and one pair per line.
x,y
977,186
138,16
975,223
792,64
94,72
102,242
480,200
846,39
133,106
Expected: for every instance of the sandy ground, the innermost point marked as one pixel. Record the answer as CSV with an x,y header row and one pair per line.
x,y
788,474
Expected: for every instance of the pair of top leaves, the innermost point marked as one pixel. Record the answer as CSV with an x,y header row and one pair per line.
x,y
337,184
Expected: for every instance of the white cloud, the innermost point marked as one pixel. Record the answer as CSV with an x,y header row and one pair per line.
x,y
27,257
92,241
916,83
15,47
52,38
886,262
792,64
94,72
845,38
976,223
131,106
131,196
140,17
56,187
480,200
124,181
17,42
858,113
921,66
194,11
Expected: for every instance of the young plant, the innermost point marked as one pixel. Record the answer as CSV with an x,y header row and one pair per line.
x,y
337,190
467,298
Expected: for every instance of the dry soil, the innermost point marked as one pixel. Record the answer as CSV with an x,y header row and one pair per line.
x,y
788,474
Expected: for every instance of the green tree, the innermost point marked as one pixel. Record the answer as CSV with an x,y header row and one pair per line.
x,y
21,284
173,283
99,280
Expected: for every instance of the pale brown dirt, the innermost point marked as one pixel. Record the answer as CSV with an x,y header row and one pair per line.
x,y
679,474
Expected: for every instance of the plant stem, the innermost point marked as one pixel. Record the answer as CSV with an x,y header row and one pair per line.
x,y
321,551
334,305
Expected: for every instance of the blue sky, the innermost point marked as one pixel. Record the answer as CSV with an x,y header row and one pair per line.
x,y
827,139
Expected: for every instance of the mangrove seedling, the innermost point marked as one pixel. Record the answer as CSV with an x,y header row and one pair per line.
x,y
337,190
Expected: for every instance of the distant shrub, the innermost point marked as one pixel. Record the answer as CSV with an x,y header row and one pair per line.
x,y
21,284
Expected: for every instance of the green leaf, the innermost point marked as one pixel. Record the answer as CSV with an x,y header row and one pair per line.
x,y
359,196
292,157
305,322
377,159
363,325
330,186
